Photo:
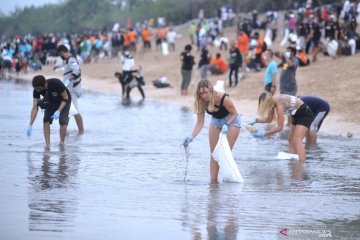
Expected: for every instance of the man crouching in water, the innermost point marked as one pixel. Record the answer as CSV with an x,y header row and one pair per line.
x,y
56,102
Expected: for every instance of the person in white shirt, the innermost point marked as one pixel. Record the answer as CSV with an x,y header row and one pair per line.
x,y
170,37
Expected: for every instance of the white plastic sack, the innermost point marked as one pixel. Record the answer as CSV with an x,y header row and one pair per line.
x,y
287,156
268,37
352,44
228,171
332,48
285,38
165,48
219,86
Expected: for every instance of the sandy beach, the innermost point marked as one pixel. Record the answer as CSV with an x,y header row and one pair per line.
x,y
336,80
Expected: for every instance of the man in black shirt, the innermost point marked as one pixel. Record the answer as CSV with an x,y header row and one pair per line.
x,y
315,35
56,102
235,62
186,68
331,28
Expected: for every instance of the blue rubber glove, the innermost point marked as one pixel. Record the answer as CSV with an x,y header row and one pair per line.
x,y
187,141
252,122
29,131
56,115
225,128
66,82
260,133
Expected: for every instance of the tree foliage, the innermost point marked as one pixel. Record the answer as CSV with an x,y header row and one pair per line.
x,y
82,15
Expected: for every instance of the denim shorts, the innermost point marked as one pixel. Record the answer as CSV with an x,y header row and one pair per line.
x,y
220,122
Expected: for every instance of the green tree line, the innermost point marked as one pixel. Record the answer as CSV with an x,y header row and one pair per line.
x,y
83,15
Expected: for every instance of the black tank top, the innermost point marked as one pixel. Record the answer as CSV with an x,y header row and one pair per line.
x,y
222,112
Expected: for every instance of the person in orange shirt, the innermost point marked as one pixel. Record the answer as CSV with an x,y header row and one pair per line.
x,y
132,39
243,42
243,46
258,50
158,38
218,65
146,36
126,40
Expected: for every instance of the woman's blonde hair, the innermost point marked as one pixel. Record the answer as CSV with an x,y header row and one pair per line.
x,y
200,105
266,104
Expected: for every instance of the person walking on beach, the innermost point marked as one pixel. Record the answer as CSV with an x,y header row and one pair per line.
x,y
72,80
235,62
224,119
56,102
170,37
270,73
276,106
204,62
243,45
320,109
186,68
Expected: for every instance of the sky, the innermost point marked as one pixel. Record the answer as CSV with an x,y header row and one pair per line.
x,y
8,6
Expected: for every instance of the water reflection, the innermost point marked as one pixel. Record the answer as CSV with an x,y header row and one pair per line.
x,y
212,213
222,216
297,171
51,198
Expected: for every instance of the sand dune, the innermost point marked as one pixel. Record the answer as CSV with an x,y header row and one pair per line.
x,y
337,81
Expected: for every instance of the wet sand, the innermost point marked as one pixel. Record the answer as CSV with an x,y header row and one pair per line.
x,y
336,80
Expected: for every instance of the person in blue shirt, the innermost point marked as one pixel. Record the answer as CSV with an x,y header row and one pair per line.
x,y
270,73
320,109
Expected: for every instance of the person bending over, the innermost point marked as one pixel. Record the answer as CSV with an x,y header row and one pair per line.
x,y
278,105
56,102
224,119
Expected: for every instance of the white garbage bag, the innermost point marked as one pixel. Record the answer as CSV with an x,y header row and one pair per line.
x,y
219,86
268,37
165,48
332,48
285,38
287,156
228,171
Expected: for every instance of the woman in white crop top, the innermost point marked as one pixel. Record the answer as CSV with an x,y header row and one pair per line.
x,y
277,106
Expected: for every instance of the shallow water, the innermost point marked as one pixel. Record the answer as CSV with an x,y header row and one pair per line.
x,y
123,179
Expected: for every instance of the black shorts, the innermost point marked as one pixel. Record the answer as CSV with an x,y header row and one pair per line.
x,y
303,116
64,115
7,64
315,42
268,87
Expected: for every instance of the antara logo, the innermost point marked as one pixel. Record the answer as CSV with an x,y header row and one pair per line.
x,y
283,232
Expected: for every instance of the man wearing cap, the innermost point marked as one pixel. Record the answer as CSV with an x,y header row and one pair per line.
x,y
72,80
331,28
